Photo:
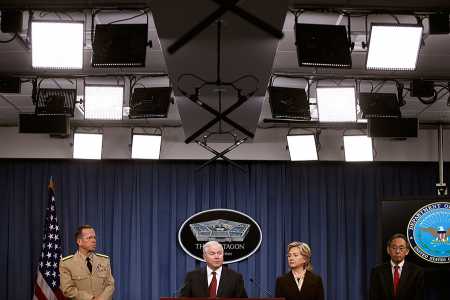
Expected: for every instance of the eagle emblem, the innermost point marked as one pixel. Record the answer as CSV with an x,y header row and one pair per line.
x,y
440,234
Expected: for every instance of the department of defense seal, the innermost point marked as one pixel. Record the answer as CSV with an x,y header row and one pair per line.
x,y
428,232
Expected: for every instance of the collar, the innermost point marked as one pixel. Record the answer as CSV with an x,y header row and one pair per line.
x,y
302,276
209,271
91,255
400,264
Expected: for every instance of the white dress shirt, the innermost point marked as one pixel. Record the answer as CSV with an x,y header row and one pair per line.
x,y
210,276
400,268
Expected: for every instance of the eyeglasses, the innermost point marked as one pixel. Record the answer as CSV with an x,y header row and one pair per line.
x,y
401,248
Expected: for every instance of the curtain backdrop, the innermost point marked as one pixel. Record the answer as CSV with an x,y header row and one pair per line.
x,y
137,207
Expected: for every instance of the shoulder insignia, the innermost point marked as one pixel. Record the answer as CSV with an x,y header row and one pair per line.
x,y
67,257
102,255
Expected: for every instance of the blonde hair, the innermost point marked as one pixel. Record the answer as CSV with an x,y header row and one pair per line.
x,y
305,251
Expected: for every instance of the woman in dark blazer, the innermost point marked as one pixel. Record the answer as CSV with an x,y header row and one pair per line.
x,y
300,283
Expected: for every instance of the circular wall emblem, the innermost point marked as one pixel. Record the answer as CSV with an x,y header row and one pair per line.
x,y
428,232
239,234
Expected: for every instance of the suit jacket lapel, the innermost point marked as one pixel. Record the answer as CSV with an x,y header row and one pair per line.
x,y
389,284
293,284
204,279
222,282
403,278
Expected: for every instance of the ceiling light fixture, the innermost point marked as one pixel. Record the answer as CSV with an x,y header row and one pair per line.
x,y
146,146
150,102
87,145
119,45
103,102
394,47
358,148
320,45
336,104
57,45
289,103
302,147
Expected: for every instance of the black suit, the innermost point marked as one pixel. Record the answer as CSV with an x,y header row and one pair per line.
x,y
410,286
231,284
312,288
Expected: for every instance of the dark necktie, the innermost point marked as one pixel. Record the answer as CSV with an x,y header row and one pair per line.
x,y
89,264
396,280
213,286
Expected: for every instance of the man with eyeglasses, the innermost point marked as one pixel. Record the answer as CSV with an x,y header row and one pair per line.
x,y
397,279
86,275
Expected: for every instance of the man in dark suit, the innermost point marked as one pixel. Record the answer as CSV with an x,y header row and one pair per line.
x,y
397,279
214,280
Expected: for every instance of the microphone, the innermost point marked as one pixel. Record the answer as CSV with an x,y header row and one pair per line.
x,y
176,293
266,291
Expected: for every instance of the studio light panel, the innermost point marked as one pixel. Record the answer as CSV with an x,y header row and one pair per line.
x,y
150,102
379,105
302,147
321,45
146,146
336,104
358,148
87,146
103,102
119,45
57,45
289,103
394,47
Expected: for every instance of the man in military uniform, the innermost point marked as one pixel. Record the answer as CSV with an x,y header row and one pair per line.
x,y
86,275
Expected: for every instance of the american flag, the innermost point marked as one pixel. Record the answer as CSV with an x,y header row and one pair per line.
x,y
47,279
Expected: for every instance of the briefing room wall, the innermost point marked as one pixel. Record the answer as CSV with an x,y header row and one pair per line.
x,y
137,209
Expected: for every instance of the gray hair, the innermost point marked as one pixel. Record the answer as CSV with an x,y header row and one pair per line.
x,y
211,243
